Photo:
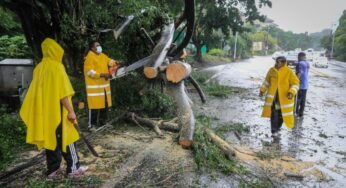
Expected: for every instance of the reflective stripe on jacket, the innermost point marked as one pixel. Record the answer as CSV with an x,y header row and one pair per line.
x,y
98,89
284,81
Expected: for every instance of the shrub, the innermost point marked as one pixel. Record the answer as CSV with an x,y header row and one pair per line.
x,y
216,51
14,47
12,136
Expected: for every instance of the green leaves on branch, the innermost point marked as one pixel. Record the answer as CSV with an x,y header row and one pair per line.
x,y
12,136
14,47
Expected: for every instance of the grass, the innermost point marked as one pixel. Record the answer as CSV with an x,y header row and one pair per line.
x,y
217,90
210,158
211,59
212,88
207,155
232,127
12,136
87,181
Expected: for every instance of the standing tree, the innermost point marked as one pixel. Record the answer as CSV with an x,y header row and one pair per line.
x,y
74,23
340,39
226,15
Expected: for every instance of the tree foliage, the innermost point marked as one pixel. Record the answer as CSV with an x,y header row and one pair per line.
x,y
224,15
12,136
74,23
9,24
14,47
340,38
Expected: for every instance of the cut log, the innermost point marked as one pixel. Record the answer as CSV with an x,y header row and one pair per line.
x,y
186,119
223,145
150,72
177,72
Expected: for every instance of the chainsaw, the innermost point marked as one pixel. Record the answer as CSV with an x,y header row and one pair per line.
x,y
118,72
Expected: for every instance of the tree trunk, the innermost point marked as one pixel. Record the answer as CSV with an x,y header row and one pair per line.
x,y
186,118
176,72
223,145
198,46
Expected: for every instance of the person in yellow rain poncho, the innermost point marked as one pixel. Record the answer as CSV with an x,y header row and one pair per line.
x,y
280,86
96,74
48,113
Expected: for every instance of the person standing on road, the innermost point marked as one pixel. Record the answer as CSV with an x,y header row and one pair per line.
x,y
280,86
48,113
96,74
302,72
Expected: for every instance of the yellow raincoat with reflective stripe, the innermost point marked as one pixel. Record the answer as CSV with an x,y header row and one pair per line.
x,y
98,89
284,81
41,109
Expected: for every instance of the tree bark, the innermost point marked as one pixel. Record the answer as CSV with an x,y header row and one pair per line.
x,y
186,118
198,46
223,145
155,125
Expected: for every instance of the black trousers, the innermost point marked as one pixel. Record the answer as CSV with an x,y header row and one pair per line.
x,y
276,119
98,117
301,102
54,157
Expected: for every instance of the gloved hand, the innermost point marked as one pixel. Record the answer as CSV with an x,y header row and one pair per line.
x,y
106,75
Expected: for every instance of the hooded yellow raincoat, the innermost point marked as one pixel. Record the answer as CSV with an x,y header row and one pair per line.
x,y
41,109
98,89
283,81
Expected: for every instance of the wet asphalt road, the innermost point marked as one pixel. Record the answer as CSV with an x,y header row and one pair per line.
x,y
319,137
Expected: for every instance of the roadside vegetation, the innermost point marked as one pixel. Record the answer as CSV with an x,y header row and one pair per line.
x,y
339,40
12,137
211,159
88,181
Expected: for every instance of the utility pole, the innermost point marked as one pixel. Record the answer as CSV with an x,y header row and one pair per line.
x,y
331,53
267,36
235,46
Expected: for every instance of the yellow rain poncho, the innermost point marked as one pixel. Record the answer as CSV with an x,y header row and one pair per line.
x,y
283,81
41,109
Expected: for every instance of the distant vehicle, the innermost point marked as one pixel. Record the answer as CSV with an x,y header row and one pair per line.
x,y
309,54
320,60
292,58
278,53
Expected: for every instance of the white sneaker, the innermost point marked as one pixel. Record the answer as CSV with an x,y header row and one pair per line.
x,y
79,172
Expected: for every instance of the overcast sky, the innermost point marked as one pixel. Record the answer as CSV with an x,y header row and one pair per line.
x,y
300,16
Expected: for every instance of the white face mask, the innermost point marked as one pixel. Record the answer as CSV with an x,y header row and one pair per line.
x,y
98,49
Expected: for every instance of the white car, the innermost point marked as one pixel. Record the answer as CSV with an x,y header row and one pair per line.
x,y
277,54
320,62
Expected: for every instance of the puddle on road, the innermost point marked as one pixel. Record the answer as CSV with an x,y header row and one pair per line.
x,y
318,139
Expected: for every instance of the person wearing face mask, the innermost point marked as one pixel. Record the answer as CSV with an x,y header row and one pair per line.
x,y
280,86
96,74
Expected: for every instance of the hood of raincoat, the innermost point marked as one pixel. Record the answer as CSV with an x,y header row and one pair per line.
x,y
42,111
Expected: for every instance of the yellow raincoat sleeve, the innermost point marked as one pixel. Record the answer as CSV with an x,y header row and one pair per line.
x,y
111,62
294,83
266,83
89,68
